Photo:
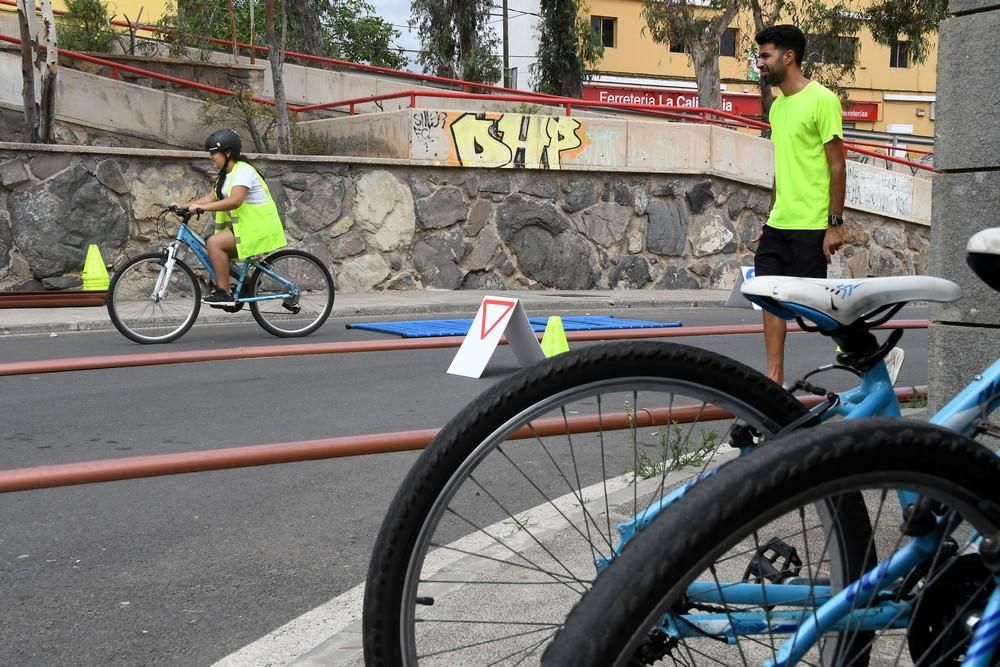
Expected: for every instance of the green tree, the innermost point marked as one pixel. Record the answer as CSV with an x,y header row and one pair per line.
x,y
346,29
354,32
86,26
832,31
567,47
456,39
698,27
912,20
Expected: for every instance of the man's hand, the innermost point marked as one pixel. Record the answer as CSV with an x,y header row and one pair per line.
x,y
832,241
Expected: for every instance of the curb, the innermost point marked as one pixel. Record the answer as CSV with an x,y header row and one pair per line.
x,y
552,304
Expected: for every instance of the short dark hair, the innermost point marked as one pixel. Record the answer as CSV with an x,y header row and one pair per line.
x,y
785,37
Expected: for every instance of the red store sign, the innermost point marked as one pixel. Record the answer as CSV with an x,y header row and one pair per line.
x,y
738,103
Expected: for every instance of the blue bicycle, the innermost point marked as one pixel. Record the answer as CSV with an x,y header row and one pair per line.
x,y
866,542
508,516
156,297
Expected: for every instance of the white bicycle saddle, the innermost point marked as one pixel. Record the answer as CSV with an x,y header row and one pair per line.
x,y
845,300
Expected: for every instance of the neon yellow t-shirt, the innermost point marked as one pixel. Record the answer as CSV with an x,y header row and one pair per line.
x,y
800,126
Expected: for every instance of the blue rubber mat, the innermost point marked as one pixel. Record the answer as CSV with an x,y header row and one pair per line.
x,y
427,328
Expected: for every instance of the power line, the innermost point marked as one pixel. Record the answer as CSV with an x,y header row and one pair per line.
x,y
498,55
518,10
500,20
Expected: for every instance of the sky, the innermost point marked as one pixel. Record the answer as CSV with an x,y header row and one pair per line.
x,y
397,12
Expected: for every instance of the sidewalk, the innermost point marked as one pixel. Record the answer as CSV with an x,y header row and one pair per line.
x,y
421,304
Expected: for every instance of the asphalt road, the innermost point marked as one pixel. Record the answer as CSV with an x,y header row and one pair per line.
x,y
184,570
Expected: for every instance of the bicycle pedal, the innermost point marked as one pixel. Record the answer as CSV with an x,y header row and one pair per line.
x,y
743,436
229,309
762,563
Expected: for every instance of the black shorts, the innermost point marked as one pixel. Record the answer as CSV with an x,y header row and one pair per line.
x,y
790,252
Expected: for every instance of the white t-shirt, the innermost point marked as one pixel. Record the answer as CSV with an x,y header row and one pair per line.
x,y
247,177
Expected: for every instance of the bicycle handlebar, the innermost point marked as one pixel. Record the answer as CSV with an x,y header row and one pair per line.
x,y
183,213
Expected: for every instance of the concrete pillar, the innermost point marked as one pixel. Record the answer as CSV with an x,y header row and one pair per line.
x,y
965,336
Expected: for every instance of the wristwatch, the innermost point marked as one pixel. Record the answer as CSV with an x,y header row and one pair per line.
x,y
835,221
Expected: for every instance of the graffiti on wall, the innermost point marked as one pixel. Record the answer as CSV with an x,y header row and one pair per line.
x,y
514,140
879,190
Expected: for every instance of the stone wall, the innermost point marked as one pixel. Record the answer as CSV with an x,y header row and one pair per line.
x,y
384,225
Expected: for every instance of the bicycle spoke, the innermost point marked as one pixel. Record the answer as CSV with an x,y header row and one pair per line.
x,y
519,522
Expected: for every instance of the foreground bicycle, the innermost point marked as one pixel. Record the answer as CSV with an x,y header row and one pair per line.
x,y
156,297
746,570
769,561
539,483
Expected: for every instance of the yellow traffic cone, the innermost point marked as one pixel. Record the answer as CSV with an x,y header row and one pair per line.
x,y
554,339
95,274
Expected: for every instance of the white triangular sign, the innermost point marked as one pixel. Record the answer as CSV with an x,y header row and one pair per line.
x,y
497,316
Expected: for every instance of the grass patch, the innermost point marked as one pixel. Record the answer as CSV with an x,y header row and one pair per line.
x,y
675,450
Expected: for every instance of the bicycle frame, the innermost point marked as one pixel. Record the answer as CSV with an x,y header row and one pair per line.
x,y
186,237
964,414
874,396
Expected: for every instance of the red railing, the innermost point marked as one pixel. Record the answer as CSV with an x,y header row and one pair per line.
x,y
892,147
567,103
328,63
118,67
696,114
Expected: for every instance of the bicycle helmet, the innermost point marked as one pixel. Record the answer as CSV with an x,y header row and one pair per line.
x,y
220,140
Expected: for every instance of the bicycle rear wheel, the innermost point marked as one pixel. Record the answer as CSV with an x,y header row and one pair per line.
x,y
658,600
496,530
309,303
145,316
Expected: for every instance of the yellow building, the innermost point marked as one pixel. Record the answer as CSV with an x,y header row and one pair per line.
x,y
151,10
890,94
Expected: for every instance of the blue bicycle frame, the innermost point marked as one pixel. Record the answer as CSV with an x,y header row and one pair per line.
x,y
874,396
187,237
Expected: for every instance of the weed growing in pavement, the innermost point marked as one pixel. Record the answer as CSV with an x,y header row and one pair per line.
x,y
676,451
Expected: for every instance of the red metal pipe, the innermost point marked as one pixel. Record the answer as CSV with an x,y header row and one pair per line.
x,y
158,465
303,349
890,158
891,147
52,299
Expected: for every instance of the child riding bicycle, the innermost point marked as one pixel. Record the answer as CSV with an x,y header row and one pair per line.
x,y
246,219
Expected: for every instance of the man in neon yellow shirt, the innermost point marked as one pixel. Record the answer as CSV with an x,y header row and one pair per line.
x,y
803,228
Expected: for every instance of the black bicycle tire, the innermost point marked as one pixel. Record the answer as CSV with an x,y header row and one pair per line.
x,y
127,331
602,629
449,449
255,307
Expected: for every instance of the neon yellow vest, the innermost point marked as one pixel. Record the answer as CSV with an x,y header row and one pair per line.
x,y
257,227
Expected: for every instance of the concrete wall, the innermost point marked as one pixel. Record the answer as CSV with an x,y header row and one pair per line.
x,y
964,336
510,140
113,106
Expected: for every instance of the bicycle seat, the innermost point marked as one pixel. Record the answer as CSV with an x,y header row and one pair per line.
x,y
836,302
983,256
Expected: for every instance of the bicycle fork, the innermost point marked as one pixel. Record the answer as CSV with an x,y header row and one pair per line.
x,y
162,280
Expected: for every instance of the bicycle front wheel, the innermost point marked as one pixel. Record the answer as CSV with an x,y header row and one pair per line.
x,y
680,592
307,289
503,521
147,306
